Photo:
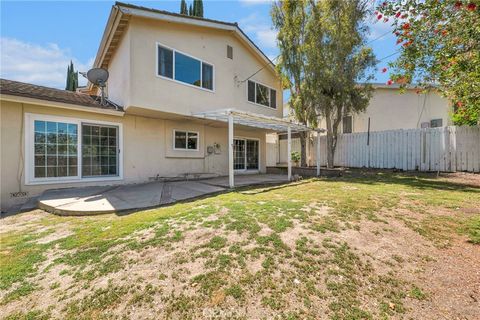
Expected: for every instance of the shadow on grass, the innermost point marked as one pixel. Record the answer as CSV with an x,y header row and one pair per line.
x,y
422,182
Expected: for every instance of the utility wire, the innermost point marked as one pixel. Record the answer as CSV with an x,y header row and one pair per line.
x,y
377,38
390,55
261,68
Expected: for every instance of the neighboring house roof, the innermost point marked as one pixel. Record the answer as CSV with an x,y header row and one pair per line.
x,y
27,90
121,13
377,85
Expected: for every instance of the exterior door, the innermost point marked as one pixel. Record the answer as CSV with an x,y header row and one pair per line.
x,y
245,154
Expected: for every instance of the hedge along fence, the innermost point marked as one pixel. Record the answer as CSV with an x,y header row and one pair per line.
x,y
446,149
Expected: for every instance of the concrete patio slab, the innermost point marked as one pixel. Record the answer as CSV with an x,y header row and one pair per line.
x,y
111,199
249,180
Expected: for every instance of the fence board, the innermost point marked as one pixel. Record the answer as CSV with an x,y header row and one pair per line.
x,y
432,149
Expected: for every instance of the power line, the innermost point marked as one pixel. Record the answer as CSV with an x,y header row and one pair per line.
x,y
261,68
275,58
390,55
379,37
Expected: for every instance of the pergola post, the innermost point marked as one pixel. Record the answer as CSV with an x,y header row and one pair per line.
x,y
318,153
289,153
231,177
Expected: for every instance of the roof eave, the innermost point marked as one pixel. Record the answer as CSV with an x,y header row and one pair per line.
x,y
121,12
55,104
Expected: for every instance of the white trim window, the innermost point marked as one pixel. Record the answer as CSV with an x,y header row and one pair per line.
x,y
185,140
261,94
181,67
60,149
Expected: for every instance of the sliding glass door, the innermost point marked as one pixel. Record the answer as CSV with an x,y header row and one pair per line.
x,y
245,154
99,150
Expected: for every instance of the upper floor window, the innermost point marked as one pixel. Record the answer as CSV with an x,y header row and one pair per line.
x,y
184,68
261,94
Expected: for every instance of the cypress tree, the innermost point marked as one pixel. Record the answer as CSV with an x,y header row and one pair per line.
x,y
200,8
69,79
183,8
195,8
72,78
190,11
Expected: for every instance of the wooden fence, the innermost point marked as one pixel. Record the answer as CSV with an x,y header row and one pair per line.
x,y
447,149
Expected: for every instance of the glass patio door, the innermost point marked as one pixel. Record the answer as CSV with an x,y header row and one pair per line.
x,y
245,154
99,150
239,154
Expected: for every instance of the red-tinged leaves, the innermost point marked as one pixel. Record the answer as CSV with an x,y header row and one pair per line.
x,y
471,6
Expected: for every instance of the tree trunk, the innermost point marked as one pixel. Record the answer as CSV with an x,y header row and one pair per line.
x,y
330,142
303,149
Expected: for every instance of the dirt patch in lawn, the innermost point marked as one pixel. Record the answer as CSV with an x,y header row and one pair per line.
x,y
296,252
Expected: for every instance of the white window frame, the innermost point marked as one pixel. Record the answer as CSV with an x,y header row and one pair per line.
x,y
269,95
29,138
245,155
186,142
159,44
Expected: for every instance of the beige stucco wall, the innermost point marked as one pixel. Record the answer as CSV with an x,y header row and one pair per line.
x,y
147,148
389,109
118,85
147,90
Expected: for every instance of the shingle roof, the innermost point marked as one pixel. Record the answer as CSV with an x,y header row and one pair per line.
x,y
28,90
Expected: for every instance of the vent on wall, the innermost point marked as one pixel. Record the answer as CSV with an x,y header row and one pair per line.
x,y
229,52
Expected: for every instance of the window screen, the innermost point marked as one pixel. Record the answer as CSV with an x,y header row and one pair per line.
x,y
229,52
207,76
273,98
165,62
99,150
55,149
251,91
262,95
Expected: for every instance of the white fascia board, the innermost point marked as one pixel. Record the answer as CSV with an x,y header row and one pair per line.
x,y
62,105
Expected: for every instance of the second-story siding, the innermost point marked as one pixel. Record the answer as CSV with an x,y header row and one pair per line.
x,y
147,90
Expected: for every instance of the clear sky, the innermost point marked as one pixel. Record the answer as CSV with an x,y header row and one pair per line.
x,y
38,38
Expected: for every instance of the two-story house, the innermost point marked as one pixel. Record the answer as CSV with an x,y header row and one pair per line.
x,y
186,96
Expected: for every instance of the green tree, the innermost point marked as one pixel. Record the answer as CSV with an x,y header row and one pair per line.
x,y
339,59
72,78
190,10
197,10
290,18
183,7
439,44
323,58
200,8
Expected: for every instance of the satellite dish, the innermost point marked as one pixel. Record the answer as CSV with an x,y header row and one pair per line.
x,y
97,76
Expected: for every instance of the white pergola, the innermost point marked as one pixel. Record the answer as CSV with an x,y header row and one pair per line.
x,y
232,116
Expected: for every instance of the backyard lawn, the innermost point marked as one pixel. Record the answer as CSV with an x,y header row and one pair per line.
x,y
371,246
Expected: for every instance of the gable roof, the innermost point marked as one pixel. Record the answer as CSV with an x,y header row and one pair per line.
x,y
28,90
121,12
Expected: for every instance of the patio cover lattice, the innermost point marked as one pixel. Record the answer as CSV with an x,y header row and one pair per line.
x,y
232,116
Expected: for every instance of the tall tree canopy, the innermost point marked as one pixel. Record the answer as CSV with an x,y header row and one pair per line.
x,y
72,78
290,18
439,43
183,7
323,58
